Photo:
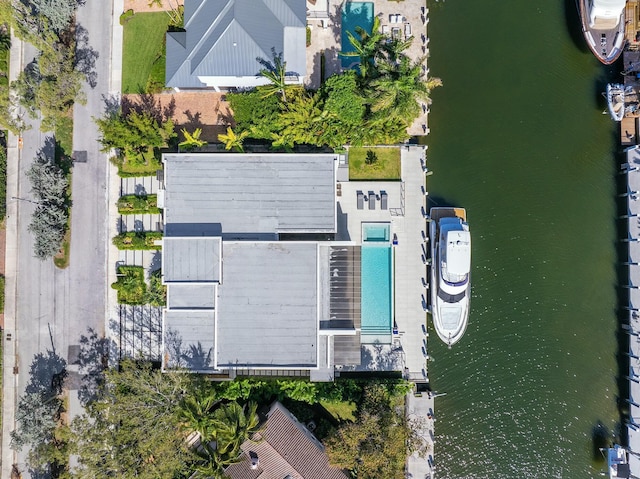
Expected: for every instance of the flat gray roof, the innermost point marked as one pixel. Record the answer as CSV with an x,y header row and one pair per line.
x,y
189,339
191,259
191,295
234,194
267,305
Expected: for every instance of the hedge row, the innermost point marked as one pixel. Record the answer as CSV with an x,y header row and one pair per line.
x,y
134,205
141,240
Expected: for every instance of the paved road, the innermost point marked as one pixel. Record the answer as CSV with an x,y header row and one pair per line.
x,y
54,307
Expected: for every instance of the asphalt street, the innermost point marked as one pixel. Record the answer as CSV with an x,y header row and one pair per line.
x,y
55,307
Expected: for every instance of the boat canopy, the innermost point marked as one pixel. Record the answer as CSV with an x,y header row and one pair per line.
x,y
605,14
458,255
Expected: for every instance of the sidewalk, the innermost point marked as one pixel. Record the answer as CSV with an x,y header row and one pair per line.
x,y
9,351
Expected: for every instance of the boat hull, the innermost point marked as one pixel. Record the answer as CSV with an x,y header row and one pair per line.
x,y
606,44
615,101
449,317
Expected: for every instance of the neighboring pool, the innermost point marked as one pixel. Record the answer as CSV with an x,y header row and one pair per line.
x,y
354,14
376,289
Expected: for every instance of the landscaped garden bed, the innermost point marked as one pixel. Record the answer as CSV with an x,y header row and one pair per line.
x,y
134,204
131,285
138,240
385,166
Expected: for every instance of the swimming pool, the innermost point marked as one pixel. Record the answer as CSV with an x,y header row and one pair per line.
x,y
354,14
376,232
376,293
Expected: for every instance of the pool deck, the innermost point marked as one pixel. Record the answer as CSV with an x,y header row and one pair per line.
x,y
325,18
407,207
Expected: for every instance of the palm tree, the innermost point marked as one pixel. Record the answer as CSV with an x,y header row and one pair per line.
x,y
236,424
276,72
300,123
394,49
191,140
367,47
196,413
231,140
399,90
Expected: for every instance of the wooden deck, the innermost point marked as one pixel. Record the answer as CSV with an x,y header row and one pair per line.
x,y
632,27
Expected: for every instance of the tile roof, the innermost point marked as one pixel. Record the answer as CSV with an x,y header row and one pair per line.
x,y
286,448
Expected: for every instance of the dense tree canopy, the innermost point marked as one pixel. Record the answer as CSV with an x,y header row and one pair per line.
x,y
49,221
137,134
377,444
132,428
375,106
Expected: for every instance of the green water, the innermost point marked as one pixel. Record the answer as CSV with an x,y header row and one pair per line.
x,y
519,139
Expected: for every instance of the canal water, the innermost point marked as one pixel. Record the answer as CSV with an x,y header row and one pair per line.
x,y
518,138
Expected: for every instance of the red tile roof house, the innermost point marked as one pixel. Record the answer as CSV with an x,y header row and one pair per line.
x,y
284,449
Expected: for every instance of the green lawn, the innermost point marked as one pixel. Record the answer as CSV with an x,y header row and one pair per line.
x,y
143,45
387,167
341,411
129,169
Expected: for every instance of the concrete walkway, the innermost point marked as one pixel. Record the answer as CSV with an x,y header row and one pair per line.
x,y
633,196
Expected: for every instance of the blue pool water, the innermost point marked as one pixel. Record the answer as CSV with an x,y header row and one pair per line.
x,y
376,290
354,14
375,232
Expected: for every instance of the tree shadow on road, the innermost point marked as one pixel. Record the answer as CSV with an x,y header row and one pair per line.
x,y
93,360
47,373
86,56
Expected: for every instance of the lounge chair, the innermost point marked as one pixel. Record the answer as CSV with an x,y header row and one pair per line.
x,y
360,196
372,200
383,200
407,30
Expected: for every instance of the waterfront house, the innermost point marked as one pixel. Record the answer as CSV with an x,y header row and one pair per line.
x,y
222,39
272,265
284,449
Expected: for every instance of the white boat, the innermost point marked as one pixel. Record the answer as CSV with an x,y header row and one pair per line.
x,y
618,462
615,100
450,241
603,24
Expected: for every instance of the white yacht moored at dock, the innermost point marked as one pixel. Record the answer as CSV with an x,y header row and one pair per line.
x,y
450,272
603,23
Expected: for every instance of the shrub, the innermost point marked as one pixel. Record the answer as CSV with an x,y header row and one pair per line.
x,y
124,18
371,158
308,36
132,204
131,286
138,240
157,292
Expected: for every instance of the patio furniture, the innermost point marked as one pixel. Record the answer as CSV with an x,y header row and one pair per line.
x,y
360,197
372,200
383,200
385,29
407,30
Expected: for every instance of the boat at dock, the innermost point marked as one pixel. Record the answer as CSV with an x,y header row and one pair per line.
x,y
603,26
618,462
450,241
615,100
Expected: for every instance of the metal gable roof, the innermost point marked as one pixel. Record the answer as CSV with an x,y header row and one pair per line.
x,y
224,38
